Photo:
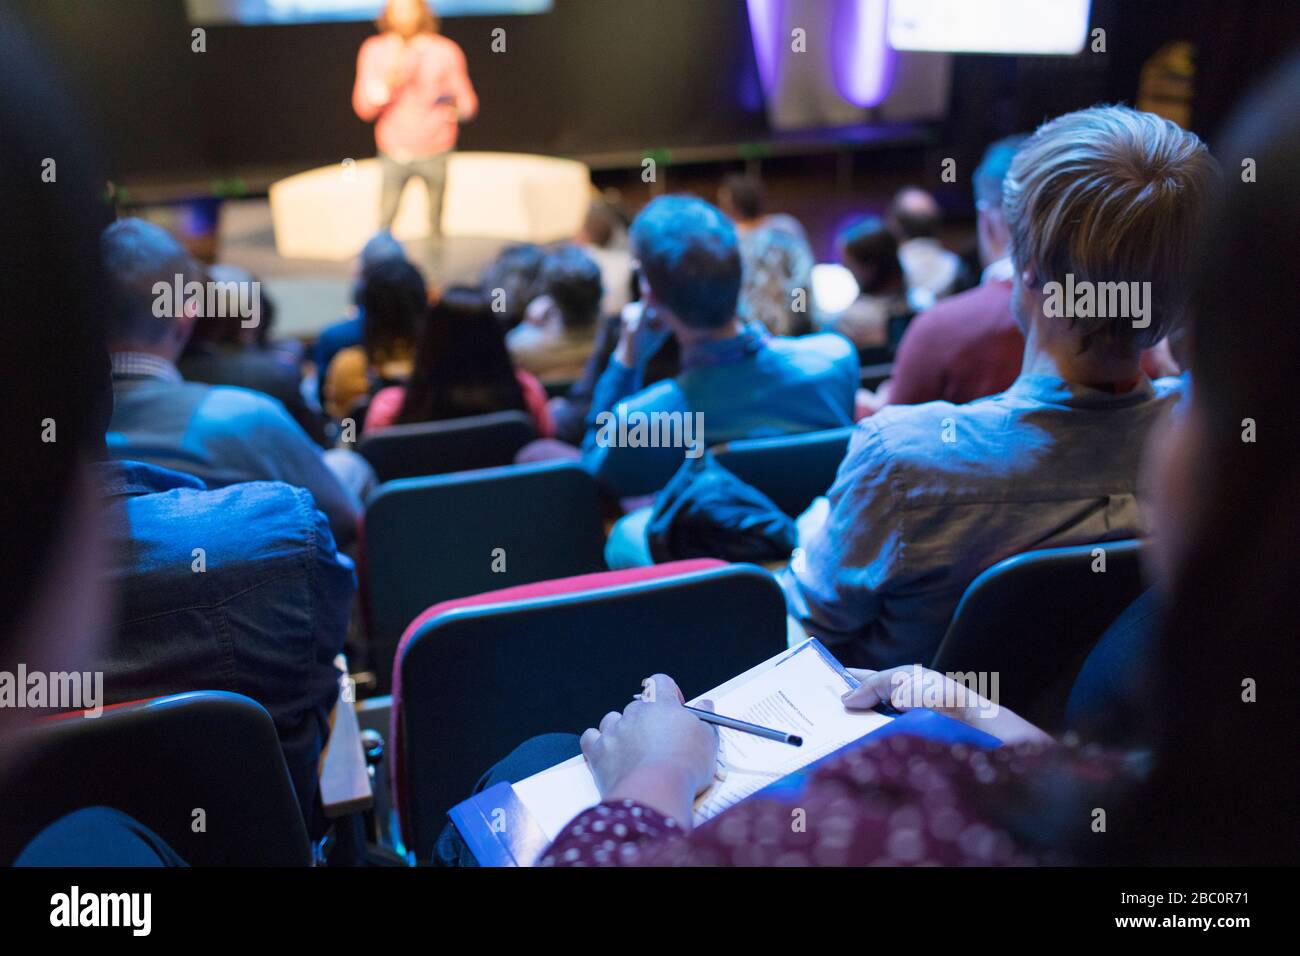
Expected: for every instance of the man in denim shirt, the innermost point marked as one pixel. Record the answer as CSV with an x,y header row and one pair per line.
x,y
930,495
736,380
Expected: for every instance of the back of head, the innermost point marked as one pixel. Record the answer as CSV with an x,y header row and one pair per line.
x,y
57,386
601,224
742,196
394,300
690,257
462,366
573,281
992,171
138,256
510,281
914,214
1110,195
870,251
776,289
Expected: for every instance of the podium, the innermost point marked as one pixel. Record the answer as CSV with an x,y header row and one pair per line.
x,y
330,212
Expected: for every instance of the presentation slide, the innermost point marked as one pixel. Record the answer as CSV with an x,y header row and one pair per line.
x,y
989,26
315,11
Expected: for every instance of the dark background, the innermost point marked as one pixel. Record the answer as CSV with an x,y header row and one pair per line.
x,y
592,76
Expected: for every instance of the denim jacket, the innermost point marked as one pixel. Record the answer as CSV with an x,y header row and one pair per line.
x,y
237,589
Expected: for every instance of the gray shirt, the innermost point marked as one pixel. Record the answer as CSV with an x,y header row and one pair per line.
x,y
930,495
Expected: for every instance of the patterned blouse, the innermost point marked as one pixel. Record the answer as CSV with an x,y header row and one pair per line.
x,y
902,801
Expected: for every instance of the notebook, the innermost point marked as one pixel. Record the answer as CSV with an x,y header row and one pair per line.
x,y
798,691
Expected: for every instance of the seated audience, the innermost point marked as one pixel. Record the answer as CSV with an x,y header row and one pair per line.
x,y
603,237
461,368
968,346
930,495
737,379
218,434
931,271
349,332
509,282
558,331
776,279
1226,510
221,351
869,251
393,302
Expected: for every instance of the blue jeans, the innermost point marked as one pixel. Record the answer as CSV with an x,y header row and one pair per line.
x,y
432,169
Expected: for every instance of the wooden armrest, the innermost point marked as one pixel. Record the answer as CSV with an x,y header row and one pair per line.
x,y
344,779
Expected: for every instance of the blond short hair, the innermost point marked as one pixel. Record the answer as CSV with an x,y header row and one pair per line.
x,y
1110,194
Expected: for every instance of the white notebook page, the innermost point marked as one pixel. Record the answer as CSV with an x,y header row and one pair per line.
x,y
798,692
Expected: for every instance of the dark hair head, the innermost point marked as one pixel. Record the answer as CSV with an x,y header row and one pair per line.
x,y
394,300
992,170
572,279
56,370
461,364
510,281
744,194
915,214
137,255
690,257
870,251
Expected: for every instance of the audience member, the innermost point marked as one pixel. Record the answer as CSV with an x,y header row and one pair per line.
x,y
737,379
462,368
219,434
394,302
558,331
222,351
509,282
776,278
968,346
930,495
931,270
351,331
603,237
870,252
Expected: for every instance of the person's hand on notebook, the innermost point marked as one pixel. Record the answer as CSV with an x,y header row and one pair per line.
x,y
913,687
655,752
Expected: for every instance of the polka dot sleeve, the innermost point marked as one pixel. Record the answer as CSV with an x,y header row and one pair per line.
x,y
611,834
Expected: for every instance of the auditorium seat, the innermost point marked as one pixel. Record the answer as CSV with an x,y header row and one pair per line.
x,y
1033,618
449,536
455,444
161,761
476,678
329,212
792,470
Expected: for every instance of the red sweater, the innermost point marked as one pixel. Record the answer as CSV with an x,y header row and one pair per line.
x,y
964,348
400,84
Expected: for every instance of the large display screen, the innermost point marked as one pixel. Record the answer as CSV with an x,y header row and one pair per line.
x,y
315,11
989,26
